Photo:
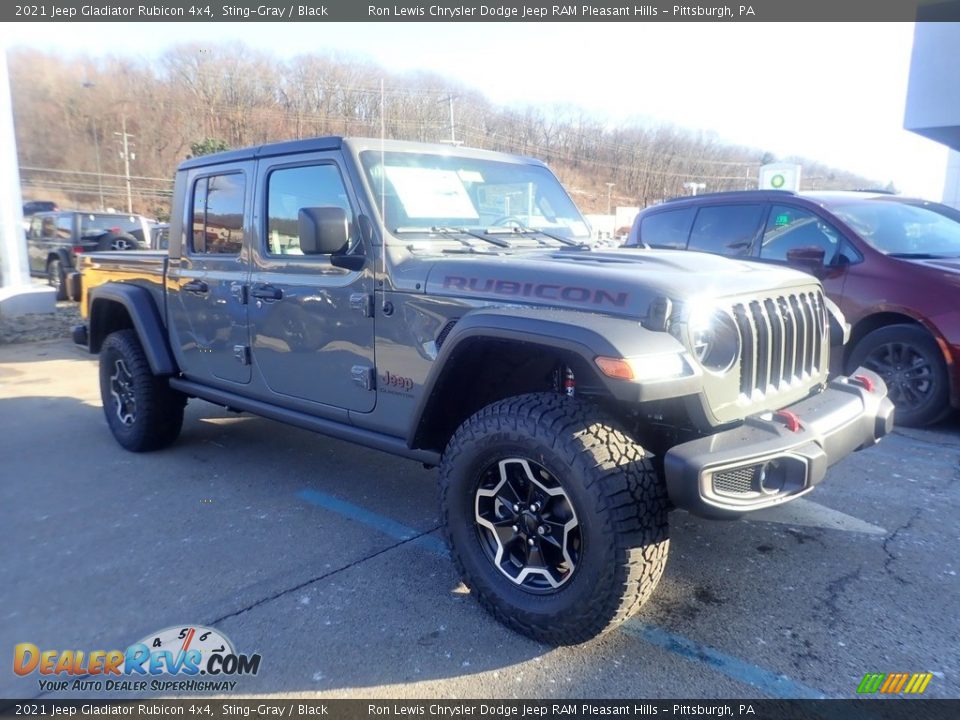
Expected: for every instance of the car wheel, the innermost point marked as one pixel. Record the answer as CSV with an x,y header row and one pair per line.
x,y
911,364
56,278
556,520
142,411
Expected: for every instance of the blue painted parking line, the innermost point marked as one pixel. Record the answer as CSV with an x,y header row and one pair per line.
x,y
767,682
770,683
381,523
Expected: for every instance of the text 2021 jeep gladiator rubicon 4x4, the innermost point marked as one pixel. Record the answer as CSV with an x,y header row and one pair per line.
x,y
440,304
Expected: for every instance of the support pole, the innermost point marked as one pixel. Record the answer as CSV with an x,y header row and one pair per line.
x,y
18,295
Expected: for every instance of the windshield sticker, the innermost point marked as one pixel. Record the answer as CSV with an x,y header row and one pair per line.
x,y
431,193
470,176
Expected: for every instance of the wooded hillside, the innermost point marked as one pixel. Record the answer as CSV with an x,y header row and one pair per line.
x,y
197,98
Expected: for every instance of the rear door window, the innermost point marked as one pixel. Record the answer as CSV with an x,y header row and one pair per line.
x,y
64,227
218,215
668,229
48,229
726,229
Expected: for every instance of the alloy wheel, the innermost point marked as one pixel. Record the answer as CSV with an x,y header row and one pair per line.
x,y
908,373
527,525
121,390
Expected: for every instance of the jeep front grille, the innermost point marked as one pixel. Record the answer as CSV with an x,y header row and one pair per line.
x,y
782,341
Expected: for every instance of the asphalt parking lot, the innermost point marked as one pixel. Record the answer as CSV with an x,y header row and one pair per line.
x,y
326,559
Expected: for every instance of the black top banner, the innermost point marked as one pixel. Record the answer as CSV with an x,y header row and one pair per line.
x,y
479,11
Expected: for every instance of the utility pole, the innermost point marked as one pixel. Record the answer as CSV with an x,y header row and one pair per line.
x,y
125,154
96,144
613,220
453,135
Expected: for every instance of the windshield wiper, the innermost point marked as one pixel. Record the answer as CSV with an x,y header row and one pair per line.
x,y
522,230
450,232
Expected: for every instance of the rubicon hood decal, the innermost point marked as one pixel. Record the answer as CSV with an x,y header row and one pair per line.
x,y
618,283
546,291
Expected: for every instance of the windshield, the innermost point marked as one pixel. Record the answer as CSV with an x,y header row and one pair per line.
x,y
423,191
898,228
99,224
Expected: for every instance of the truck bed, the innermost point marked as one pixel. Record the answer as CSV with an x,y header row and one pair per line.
x,y
146,268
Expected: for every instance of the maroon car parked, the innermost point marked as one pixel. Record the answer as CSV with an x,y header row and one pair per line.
x,y
891,263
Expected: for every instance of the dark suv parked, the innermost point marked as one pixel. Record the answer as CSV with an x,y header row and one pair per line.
x,y
54,239
32,207
891,263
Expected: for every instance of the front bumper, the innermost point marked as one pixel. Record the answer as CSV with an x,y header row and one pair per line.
x,y
764,462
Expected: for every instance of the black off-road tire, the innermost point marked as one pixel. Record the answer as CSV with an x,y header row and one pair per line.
x,y
620,502
924,397
157,411
56,278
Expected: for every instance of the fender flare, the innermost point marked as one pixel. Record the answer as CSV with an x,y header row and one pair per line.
x,y
583,335
145,317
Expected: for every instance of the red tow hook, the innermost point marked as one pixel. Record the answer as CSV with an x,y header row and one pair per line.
x,y
789,419
865,381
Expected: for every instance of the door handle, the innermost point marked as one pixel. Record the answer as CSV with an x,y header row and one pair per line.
x,y
198,287
266,292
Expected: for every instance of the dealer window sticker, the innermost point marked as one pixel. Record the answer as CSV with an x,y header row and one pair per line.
x,y
470,176
432,193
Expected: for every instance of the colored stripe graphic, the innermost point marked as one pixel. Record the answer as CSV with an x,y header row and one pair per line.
x,y
894,683
918,683
871,682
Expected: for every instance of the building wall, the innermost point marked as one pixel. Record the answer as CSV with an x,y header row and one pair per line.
x,y
933,93
951,186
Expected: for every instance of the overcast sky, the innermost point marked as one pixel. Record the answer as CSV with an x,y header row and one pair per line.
x,y
830,92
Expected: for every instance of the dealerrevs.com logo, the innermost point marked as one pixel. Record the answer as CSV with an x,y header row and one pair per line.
x,y
184,653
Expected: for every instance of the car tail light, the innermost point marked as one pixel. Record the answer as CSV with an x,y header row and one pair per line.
x,y
78,248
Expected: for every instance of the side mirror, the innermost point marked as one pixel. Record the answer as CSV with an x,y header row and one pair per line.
x,y
808,259
323,230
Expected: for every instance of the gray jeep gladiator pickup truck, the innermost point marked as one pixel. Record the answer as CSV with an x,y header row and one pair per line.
x,y
441,304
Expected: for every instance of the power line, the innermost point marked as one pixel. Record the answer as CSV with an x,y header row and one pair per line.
x,y
84,172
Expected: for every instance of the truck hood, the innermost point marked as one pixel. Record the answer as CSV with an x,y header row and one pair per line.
x,y
618,282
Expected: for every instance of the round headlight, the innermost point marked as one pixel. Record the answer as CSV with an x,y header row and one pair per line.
x,y
714,340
